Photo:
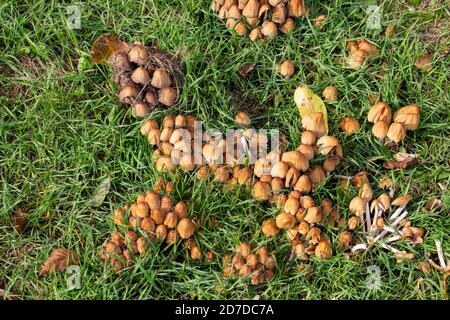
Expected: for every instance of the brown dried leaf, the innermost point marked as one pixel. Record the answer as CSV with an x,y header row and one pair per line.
x,y
403,156
59,260
245,70
403,256
424,266
423,63
104,46
20,219
402,161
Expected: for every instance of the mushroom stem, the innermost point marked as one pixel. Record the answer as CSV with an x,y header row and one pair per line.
x,y
391,192
368,221
393,239
396,213
245,146
376,214
359,247
390,229
363,224
440,253
390,248
339,176
291,255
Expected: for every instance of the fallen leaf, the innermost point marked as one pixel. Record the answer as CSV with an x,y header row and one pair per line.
x,y
100,193
308,102
245,70
423,63
403,256
59,260
424,266
402,161
403,156
104,46
20,219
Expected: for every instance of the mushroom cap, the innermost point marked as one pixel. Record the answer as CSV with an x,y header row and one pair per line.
x,y
396,132
296,160
349,125
285,221
286,68
291,206
185,228
380,129
314,122
409,116
380,111
358,205
262,191
313,215
279,170
269,227
402,201
327,143
303,184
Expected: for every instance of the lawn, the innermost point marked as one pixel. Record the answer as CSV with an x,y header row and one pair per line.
x,y
63,131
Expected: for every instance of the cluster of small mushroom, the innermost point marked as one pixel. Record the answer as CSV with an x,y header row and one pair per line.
x,y
299,218
377,219
151,218
406,118
291,169
263,17
146,78
174,141
271,174
181,145
360,51
259,264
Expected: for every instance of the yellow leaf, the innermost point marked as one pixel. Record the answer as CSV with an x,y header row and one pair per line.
x,y
308,102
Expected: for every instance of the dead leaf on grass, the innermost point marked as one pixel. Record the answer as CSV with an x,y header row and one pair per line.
x,y
59,260
100,193
402,161
245,70
20,219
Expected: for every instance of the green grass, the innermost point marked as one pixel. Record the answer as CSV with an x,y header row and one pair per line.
x,y
62,131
